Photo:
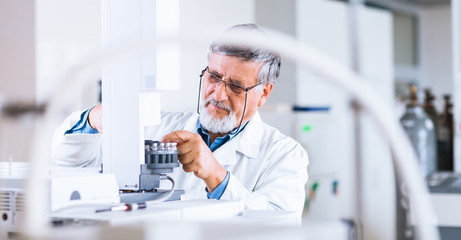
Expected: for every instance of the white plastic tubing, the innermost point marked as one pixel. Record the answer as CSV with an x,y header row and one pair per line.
x,y
405,160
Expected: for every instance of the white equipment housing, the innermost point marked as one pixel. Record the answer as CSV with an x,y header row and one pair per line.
x,y
130,81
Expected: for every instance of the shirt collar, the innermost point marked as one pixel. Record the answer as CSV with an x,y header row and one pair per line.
x,y
218,142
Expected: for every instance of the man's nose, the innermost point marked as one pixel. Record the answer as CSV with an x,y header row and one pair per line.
x,y
220,91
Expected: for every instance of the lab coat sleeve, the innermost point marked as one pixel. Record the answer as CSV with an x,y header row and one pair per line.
x,y
75,150
281,184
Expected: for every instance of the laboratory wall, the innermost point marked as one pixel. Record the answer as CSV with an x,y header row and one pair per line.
x,y
406,55
405,51
17,47
201,16
279,16
68,34
436,52
40,41
17,75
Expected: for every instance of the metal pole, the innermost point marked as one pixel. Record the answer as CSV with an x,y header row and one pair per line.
x,y
456,39
354,36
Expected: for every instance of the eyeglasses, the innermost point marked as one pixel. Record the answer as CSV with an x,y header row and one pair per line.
x,y
231,87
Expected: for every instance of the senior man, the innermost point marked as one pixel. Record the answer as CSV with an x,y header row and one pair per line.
x,y
231,152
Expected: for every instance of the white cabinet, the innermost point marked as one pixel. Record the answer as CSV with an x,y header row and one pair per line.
x,y
328,136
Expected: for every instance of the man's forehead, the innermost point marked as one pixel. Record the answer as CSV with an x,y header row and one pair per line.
x,y
233,67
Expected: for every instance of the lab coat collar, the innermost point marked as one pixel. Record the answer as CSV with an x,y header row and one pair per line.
x,y
192,123
246,142
249,141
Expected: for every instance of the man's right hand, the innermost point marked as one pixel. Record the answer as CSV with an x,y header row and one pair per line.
x,y
95,118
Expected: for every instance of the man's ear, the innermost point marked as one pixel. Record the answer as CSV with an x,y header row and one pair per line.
x,y
267,89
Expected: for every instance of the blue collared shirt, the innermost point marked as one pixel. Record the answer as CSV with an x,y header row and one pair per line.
x,y
83,126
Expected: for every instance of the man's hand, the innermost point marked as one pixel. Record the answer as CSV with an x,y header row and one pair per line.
x,y
95,118
196,157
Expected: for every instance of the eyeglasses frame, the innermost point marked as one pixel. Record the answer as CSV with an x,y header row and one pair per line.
x,y
221,80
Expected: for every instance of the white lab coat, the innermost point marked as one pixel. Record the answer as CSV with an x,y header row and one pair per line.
x,y
268,170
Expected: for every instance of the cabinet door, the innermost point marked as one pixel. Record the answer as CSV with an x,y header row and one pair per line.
x,y
330,141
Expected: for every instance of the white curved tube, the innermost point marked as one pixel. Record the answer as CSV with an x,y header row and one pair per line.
x,y
164,196
405,160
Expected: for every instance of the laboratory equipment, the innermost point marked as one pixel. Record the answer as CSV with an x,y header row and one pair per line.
x,y
124,207
74,194
130,106
64,189
160,159
377,109
428,106
420,129
445,188
445,137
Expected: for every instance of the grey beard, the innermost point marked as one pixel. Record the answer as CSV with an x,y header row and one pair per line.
x,y
216,125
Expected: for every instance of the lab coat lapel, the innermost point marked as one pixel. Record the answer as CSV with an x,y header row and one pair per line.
x,y
246,142
192,123
226,154
249,140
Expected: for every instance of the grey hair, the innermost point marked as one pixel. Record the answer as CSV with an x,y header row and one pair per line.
x,y
270,61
